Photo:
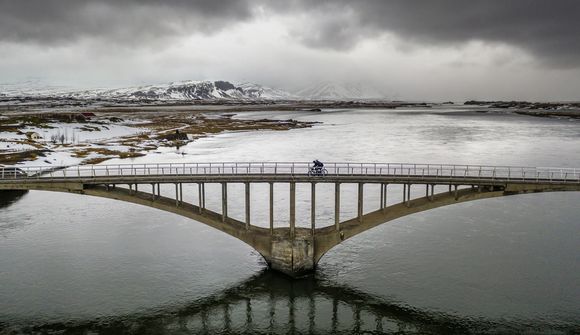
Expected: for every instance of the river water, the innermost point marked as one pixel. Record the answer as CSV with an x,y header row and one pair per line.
x,y
76,264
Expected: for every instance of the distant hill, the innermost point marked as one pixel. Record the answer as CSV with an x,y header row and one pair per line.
x,y
340,91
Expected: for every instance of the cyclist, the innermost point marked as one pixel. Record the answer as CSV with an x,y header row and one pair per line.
x,y
318,165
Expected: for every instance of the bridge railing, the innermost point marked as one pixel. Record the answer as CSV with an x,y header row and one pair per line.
x,y
300,168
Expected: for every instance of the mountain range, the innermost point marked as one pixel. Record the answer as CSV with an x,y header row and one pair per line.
x,y
198,90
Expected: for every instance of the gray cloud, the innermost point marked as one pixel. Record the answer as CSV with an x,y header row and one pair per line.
x,y
550,30
65,21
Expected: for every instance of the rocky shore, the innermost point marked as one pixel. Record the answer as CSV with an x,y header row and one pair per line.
x,y
570,110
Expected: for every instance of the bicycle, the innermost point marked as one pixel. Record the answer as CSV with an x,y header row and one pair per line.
x,y
317,172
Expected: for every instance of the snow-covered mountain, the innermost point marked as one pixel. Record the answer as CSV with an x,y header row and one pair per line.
x,y
176,91
265,92
340,91
198,90
189,90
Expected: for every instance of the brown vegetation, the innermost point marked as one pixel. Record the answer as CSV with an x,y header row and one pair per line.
x,y
17,157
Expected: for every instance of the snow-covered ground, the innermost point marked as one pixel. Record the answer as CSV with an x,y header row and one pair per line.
x,y
63,143
7,136
77,133
8,146
55,158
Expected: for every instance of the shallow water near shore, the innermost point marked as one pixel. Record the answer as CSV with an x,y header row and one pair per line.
x,y
74,263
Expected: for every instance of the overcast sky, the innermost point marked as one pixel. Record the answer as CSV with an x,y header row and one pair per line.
x,y
428,50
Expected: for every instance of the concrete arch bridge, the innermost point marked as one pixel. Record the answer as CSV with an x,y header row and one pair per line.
x,y
294,249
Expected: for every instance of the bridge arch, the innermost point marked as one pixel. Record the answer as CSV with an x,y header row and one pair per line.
x,y
328,237
324,239
256,237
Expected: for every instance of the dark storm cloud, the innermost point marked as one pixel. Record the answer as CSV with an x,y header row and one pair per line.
x,y
58,21
549,30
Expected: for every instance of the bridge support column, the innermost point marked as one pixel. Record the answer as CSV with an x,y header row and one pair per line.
x,y
313,208
292,209
248,206
337,206
271,208
386,191
382,195
224,201
360,201
201,196
177,195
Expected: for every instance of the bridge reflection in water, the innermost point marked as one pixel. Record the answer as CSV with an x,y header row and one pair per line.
x,y
270,303
7,198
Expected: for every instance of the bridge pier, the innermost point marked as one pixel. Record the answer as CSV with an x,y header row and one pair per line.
x,y
292,256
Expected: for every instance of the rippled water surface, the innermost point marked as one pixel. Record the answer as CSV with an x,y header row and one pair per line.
x,y
71,263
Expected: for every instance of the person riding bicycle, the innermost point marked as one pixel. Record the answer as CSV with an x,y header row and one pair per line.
x,y
318,165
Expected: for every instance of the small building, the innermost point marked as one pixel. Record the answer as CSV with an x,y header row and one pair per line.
x,y
88,115
34,136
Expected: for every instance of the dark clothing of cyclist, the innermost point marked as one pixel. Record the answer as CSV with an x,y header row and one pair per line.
x,y
317,169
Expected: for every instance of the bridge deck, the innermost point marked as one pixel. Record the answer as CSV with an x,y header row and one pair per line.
x,y
290,172
280,178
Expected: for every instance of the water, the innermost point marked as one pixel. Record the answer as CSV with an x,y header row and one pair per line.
x,y
72,263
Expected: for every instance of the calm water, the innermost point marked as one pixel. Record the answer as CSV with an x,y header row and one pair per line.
x,y
76,264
